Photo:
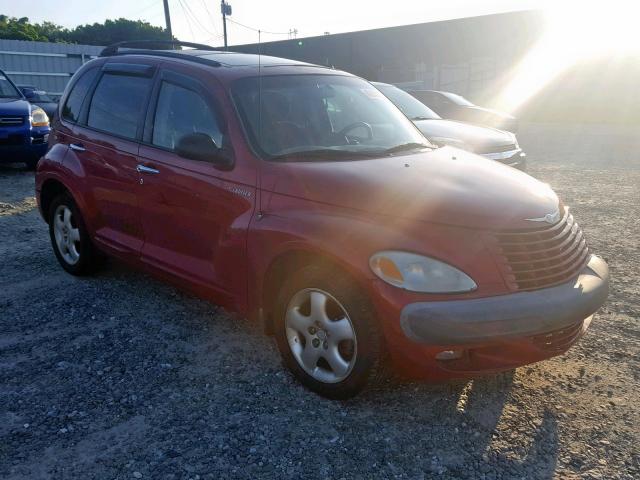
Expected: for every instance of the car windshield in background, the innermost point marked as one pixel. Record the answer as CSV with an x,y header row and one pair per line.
x,y
457,99
410,106
321,117
7,90
41,96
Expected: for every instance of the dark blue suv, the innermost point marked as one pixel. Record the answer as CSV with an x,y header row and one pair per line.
x,y
24,128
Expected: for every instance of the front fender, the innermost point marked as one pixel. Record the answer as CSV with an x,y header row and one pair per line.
x,y
348,238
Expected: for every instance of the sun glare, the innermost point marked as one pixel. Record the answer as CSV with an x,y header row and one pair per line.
x,y
575,31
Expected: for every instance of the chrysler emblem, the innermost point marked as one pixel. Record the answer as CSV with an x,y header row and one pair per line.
x,y
549,218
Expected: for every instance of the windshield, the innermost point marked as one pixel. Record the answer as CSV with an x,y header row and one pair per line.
x,y
457,99
41,96
322,116
410,106
7,90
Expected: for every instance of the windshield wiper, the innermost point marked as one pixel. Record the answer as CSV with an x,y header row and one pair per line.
x,y
407,146
421,117
328,153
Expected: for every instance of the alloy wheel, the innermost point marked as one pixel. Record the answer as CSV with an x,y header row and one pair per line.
x,y
67,234
320,335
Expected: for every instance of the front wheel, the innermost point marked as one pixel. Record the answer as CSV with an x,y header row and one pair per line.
x,y
327,333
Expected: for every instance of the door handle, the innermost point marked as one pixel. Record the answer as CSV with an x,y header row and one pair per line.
x,y
77,147
145,169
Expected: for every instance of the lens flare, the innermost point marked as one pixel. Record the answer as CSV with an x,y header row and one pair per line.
x,y
575,31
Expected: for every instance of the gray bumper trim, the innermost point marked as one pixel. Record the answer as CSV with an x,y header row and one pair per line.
x,y
460,322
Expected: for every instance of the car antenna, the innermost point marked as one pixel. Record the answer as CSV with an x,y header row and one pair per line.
x,y
260,213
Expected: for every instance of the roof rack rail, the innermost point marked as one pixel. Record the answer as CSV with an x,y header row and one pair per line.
x,y
113,49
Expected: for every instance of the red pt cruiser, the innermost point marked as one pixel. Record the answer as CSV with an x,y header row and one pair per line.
x,y
301,196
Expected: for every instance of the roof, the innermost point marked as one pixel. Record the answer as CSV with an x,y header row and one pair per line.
x,y
234,59
200,53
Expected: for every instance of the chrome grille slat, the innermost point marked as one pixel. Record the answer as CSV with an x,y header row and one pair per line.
x,y
11,121
543,256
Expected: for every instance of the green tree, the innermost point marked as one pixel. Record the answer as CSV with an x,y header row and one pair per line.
x,y
111,31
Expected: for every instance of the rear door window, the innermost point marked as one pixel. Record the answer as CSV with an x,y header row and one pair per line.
x,y
75,99
181,111
118,104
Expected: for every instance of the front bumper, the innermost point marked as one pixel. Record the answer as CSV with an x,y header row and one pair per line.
x,y
18,144
514,158
513,316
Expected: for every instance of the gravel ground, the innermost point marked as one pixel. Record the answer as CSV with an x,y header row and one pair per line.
x,y
120,376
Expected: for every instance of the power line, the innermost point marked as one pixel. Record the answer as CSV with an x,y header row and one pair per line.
x,y
193,37
257,29
213,22
195,18
154,3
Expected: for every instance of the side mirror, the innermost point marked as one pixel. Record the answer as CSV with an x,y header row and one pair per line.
x,y
201,147
29,93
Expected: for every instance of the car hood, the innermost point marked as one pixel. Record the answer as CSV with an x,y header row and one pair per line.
x,y
447,185
49,107
473,136
15,106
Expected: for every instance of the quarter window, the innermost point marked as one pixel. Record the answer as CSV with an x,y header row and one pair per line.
x,y
180,112
75,99
117,104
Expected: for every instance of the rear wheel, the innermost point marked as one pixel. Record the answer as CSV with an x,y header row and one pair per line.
x,y
327,333
69,237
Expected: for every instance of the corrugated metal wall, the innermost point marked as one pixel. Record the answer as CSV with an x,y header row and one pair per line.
x,y
465,55
48,66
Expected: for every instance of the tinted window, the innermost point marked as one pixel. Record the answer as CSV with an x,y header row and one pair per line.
x,y
410,106
117,104
457,99
180,112
7,90
72,106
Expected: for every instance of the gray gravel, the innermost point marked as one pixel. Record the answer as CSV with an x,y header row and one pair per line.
x,y
120,376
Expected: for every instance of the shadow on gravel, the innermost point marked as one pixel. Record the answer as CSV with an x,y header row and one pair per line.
x,y
464,418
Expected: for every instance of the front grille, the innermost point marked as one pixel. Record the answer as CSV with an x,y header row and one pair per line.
x,y
543,256
11,121
558,340
487,149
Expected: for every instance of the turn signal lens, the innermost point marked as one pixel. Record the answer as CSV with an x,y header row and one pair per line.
x,y
418,273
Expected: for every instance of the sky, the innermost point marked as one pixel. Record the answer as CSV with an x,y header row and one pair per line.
x,y
200,20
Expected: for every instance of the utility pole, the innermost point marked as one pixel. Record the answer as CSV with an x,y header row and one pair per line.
x,y
167,18
225,9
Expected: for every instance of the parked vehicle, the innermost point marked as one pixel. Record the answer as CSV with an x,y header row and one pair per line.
x,y
24,128
455,107
491,143
301,196
40,98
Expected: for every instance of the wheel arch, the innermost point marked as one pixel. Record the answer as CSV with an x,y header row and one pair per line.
x,y
51,188
294,259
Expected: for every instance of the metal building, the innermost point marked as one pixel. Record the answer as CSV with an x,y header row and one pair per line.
x,y
465,55
48,66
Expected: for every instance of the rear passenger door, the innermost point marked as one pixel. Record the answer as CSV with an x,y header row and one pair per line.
x,y
194,215
106,142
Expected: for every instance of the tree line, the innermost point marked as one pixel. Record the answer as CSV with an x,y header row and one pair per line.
x,y
106,33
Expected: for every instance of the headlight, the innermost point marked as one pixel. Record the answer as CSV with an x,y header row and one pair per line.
x,y
452,142
39,118
417,273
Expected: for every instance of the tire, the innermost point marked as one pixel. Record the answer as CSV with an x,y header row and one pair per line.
x,y
69,238
328,340
31,163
